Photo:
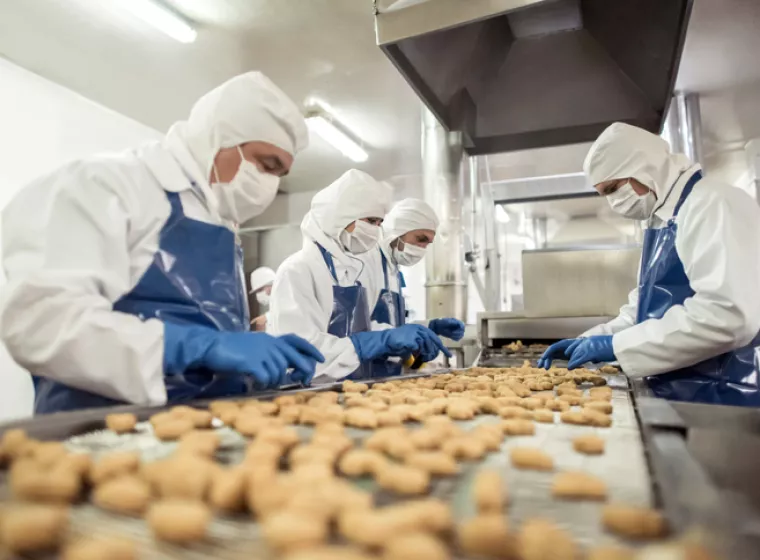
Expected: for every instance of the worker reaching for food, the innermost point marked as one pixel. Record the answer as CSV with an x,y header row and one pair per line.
x,y
261,288
318,294
125,278
691,327
407,230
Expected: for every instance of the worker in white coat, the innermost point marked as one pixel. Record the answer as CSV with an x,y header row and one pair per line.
x,y
125,278
317,293
408,229
261,288
691,326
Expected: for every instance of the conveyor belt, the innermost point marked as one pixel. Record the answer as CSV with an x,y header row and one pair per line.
x,y
623,467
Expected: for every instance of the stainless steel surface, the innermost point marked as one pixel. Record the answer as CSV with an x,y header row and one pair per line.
x,y
542,188
442,180
579,283
690,120
518,74
491,252
518,326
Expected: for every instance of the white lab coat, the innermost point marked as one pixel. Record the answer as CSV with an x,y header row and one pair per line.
x,y
76,241
718,241
302,294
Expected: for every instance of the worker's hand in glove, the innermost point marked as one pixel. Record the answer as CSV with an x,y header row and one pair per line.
x,y
592,349
264,357
556,351
448,327
401,341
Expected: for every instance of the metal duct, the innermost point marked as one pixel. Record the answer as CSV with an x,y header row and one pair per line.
x,y
519,74
683,126
493,261
442,182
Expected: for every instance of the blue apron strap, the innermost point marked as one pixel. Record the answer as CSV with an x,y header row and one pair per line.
x,y
385,267
328,260
687,191
175,203
401,280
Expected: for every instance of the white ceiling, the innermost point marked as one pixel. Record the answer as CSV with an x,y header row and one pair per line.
x,y
312,48
326,49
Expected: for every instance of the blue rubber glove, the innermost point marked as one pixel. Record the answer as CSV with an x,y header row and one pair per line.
x,y
592,349
555,351
401,341
264,357
449,327
431,346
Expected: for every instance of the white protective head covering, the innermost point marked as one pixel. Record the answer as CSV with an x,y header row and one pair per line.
x,y
261,277
623,151
408,215
246,108
354,195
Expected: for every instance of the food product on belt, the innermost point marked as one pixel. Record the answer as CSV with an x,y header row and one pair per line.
x,y
574,417
173,428
589,444
578,486
490,434
204,443
415,545
185,476
114,464
515,412
125,494
291,530
518,427
29,480
557,405
28,528
609,369
361,462
111,548
351,387
437,463
611,553
543,415
13,443
634,522
486,535
179,521
489,492
389,418
426,439
227,490
530,458
121,423
403,479
330,552
462,409
464,448
541,539
598,419
599,406
360,418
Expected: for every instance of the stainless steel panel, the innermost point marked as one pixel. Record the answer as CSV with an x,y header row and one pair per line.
x,y
578,283
519,74
515,326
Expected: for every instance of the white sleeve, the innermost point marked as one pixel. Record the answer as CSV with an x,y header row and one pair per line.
x,y
625,319
64,242
718,241
295,308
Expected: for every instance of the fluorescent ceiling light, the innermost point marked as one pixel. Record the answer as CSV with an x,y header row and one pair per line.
x,y
162,18
329,132
501,215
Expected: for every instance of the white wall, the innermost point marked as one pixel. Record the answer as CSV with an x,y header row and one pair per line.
x,y
43,125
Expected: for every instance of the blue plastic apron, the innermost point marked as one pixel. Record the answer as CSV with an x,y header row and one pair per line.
x,y
350,312
391,310
196,278
730,378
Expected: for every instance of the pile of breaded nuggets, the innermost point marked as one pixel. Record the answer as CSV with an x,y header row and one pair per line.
x,y
300,491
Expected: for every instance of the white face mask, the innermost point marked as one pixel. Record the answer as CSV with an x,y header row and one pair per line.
x,y
262,298
362,239
411,255
628,204
248,194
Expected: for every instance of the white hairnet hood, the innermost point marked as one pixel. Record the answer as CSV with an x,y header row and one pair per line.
x,y
247,108
408,215
623,151
354,195
261,277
